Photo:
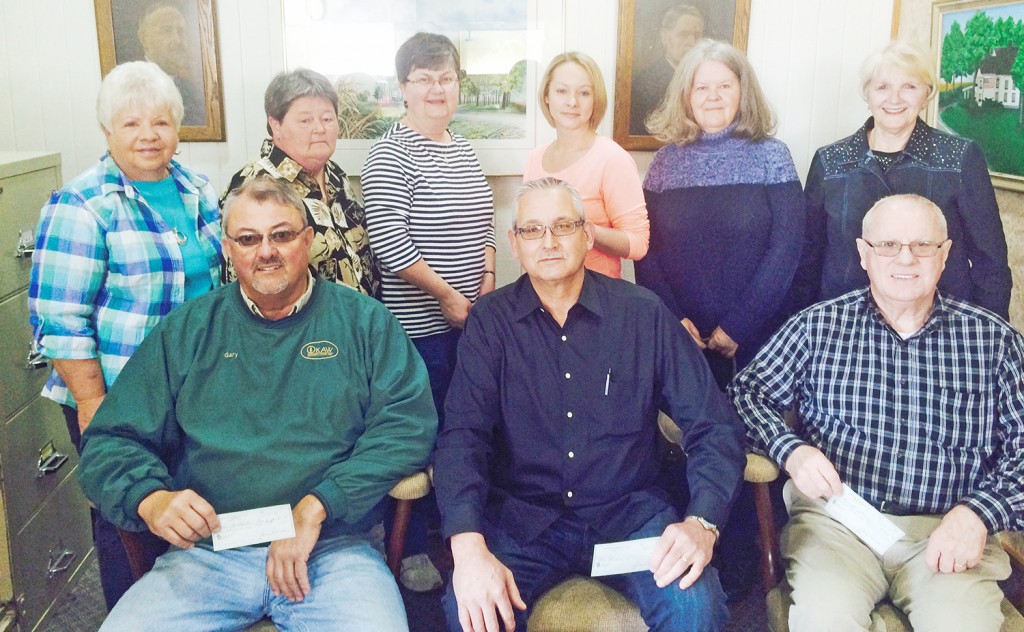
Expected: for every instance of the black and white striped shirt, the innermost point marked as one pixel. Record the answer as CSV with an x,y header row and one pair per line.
x,y
926,422
426,200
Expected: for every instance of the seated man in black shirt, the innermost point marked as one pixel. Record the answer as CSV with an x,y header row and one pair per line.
x,y
550,442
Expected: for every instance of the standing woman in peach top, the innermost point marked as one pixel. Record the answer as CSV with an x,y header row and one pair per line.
x,y
573,100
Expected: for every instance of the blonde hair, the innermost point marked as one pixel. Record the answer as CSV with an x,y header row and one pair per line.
x,y
593,74
672,121
901,56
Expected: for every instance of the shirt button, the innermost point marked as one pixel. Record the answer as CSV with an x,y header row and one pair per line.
x,y
569,494
569,414
572,454
567,376
564,338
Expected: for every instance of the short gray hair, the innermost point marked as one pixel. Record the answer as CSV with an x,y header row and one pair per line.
x,y
933,208
261,189
137,84
288,86
542,184
901,56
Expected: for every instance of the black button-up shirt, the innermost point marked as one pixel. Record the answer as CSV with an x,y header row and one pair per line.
x,y
542,420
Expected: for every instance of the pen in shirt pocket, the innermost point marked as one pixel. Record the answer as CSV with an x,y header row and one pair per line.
x,y
607,380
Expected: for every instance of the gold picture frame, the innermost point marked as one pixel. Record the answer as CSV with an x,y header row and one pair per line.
x,y
181,36
640,49
980,92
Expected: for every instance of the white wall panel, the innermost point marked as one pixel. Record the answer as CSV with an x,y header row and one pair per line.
x,y
6,86
85,144
806,53
25,75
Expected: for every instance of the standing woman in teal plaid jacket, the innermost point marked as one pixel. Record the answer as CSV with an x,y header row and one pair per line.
x,y
117,248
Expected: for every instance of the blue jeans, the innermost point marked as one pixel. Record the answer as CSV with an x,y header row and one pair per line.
x,y
567,547
438,352
199,589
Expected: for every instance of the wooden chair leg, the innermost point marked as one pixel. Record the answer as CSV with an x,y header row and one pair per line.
x,y
396,539
768,535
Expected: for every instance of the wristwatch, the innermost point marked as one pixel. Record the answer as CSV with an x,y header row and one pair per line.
x,y
710,526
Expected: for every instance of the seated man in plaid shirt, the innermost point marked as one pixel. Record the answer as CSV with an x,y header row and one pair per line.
x,y
915,401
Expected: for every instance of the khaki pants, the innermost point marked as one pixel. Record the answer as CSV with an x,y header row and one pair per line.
x,y
837,579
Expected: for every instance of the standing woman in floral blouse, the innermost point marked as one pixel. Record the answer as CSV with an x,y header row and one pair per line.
x,y
302,120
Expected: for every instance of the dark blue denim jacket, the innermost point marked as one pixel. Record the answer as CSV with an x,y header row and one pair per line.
x,y
845,180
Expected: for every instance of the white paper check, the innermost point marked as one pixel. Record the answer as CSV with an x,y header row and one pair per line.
x,y
254,526
628,556
866,522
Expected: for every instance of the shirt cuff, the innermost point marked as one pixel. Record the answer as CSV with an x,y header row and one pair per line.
x,y
330,496
989,508
134,498
781,449
460,520
68,347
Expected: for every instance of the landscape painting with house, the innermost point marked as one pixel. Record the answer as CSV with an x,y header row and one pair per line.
x,y
981,77
353,43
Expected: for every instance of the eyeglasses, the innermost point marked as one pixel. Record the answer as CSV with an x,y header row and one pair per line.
x,y
250,240
917,248
427,82
558,229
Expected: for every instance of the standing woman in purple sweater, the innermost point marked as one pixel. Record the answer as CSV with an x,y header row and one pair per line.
x,y
727,222
725,206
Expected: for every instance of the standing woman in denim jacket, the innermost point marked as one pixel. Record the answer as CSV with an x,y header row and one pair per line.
x,y
896,152
120,246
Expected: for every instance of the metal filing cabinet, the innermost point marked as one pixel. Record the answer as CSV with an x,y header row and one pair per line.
x,y
45,531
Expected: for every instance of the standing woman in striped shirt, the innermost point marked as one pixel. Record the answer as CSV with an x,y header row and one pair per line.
x,y
430,215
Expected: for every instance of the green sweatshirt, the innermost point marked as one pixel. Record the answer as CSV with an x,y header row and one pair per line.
x,y
333,401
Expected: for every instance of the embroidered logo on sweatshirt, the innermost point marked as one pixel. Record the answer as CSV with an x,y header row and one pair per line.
x,y
319,350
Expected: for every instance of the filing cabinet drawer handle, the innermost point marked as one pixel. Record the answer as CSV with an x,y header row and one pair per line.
x,y
60,560
26,243
50,460
35,359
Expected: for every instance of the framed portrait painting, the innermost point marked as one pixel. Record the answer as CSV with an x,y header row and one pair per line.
x,y
980,70
181,37
653,36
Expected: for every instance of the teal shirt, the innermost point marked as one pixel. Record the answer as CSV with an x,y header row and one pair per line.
x,y
163,197
332,401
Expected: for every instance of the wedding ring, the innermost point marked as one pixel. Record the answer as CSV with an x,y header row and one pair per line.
x,y
959,567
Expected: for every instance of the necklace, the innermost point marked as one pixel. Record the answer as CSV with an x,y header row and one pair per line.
x,y
180,237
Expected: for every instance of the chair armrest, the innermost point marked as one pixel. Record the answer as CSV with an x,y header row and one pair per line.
x,y
411,487
760,469
1013,544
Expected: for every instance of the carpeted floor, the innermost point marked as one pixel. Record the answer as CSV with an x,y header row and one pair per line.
x,y
83,609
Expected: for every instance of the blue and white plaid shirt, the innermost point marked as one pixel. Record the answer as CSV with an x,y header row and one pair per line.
x,y
107,267
926,422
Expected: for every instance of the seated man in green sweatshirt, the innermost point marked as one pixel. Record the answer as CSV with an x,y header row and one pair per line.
x,y
276,389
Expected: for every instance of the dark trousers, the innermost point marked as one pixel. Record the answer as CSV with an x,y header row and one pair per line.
x,y
115,572
438,352
567,547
